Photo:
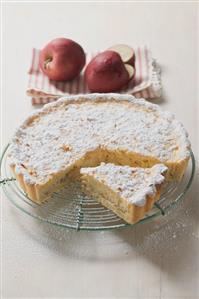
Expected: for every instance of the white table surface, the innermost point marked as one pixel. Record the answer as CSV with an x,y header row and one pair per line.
x,y
155,260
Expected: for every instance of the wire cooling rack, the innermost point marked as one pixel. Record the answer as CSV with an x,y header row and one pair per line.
x,y
71,208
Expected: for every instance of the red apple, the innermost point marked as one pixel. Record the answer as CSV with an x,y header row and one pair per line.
x,y
106,72
62,59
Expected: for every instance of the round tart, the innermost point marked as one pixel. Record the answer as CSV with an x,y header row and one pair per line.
x,y
85,130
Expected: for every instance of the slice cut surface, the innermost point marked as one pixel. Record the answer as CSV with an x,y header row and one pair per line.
x,y
129,192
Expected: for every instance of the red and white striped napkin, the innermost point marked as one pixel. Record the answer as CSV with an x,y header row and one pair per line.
x,y
146,83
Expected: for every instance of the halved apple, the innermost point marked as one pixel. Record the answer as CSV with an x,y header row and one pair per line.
x,y
126,53
130,69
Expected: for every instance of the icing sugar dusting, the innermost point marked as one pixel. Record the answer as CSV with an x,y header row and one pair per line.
x,y
83,123
131,183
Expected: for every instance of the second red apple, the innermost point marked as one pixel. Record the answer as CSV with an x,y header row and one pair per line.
x,y
106,72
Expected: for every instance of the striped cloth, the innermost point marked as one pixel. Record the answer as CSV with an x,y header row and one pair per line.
x,y
146,83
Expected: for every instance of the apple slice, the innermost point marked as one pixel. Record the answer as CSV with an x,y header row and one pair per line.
x,y
126,53
130,69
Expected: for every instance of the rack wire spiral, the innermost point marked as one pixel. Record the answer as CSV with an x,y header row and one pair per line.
x,y
71,208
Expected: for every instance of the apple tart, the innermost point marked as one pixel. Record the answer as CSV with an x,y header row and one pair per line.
x,y
85,130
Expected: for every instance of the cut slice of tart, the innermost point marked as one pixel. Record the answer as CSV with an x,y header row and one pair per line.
x,y
129,192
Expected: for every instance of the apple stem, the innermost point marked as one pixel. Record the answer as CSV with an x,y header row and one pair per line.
x,y
46,62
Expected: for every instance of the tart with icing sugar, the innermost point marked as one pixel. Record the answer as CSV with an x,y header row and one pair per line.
x,y
129,192
85,130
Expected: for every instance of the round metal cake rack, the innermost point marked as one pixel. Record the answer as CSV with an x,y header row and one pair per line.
x,y
71,208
